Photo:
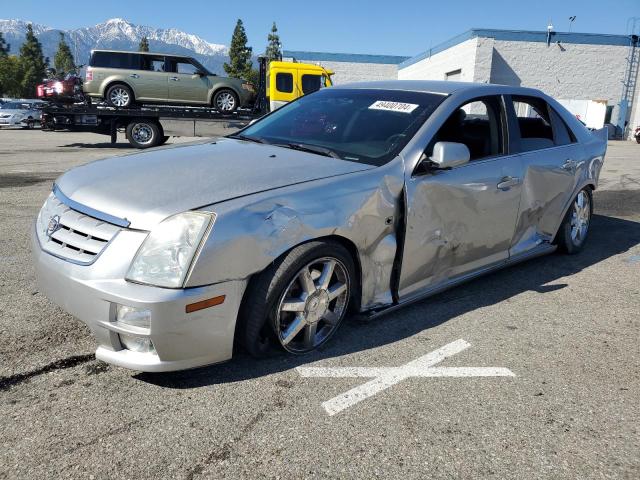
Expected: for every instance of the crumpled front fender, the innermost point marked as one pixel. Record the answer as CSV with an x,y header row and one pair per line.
x,y
361,208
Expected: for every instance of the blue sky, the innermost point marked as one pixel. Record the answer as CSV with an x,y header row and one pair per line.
x,y
397,27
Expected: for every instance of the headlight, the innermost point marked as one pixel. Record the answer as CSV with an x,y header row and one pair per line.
x,y
44,217
166,254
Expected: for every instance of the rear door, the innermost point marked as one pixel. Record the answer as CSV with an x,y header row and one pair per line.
x,y
462,220
552,160
185,85
151,79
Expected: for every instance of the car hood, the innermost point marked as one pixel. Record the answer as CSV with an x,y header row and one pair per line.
x,y
12,111
145,188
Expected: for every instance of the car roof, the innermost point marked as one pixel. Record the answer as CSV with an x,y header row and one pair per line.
x,y
443,87
160,54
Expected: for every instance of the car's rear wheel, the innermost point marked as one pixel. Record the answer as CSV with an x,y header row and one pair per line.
x,y
119,96
575,226
225,100
300,301
144,134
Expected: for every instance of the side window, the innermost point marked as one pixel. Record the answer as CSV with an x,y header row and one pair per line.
x,y
187,68
534,122
130,61
284,82
477,124
152,63
311,83
563,134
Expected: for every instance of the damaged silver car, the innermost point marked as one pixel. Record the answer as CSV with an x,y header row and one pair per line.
x,y
359,198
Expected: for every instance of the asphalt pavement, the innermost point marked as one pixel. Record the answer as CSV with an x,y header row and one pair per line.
x,y
541,377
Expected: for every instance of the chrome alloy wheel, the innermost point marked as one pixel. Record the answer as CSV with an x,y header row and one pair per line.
x,y
313,305
225,102
142,133
119,97
580,217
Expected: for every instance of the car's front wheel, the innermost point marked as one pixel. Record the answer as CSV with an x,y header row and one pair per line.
x,y
225,101
575,226
299,302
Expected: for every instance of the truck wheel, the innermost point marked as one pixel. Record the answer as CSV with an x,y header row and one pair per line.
x,y
144,134
225,101
119,96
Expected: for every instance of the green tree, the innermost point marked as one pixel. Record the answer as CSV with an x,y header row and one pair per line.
x,y
4,47
273,51
32,64
240,64
144,45
10,76
63,60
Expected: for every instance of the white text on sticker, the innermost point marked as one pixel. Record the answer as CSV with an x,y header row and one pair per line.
x,y
393,106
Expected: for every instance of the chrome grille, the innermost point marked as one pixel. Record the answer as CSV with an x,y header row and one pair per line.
x,y
72,235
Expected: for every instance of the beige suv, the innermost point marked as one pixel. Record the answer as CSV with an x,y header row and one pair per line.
x,y
123,79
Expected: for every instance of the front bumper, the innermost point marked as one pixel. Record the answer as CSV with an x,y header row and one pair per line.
x,y
91,293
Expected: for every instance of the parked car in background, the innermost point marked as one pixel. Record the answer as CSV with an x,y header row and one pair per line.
x,y
359,198
123,79
21,113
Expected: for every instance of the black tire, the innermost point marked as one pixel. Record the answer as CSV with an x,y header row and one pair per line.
x,y
163,140
30,123
144,134
569,240
256,331
638,139
126,96
227,94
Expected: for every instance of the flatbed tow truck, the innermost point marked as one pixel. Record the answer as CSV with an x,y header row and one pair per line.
x,y
152,125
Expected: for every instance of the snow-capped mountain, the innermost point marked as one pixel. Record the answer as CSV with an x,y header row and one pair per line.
x,y
118,34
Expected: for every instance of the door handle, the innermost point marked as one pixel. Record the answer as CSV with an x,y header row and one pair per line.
x,y
507,182
175,79
569,165
134,75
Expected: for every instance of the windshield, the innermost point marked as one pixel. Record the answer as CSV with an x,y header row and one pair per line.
x,y
359,125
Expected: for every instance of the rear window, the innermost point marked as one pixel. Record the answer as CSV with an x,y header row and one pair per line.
x,y
129,61
284,82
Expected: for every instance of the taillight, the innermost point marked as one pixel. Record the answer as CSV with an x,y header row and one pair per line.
x,y
88,75
40,91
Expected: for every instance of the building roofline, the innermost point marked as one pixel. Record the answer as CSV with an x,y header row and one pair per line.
x,y
344,57
522,36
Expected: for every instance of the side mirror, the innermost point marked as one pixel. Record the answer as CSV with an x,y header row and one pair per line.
x,y
447,155
200,73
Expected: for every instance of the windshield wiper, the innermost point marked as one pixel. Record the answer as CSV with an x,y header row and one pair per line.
x,y
303,147
239,136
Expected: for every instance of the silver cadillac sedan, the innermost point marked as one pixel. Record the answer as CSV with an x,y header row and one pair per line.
x,y
360,198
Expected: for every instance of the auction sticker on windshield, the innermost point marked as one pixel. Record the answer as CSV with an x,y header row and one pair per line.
x,y
393,106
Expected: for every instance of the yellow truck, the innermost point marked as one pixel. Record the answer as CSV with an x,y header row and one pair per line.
x,y
286,81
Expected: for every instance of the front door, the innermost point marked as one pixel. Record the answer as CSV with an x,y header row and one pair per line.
x,y
185,84
463,219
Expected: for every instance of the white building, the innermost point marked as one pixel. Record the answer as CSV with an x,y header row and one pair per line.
x,y
586,72
351,67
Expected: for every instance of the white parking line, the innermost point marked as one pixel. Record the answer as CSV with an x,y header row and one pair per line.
x,y
385,377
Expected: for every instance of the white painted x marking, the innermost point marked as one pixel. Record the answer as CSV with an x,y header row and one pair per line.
x,y
385,377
